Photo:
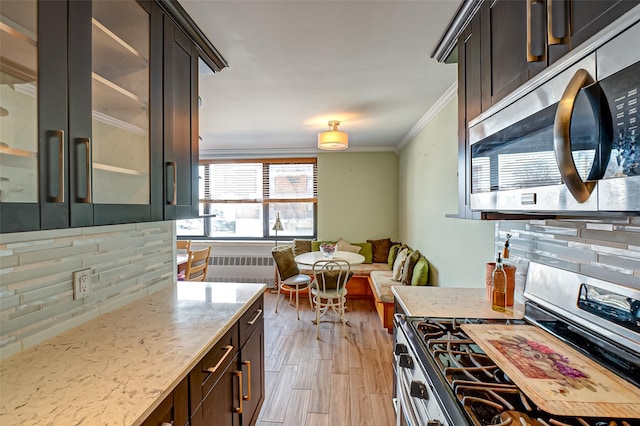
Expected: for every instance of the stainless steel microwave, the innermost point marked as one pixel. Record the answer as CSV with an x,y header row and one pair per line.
x,y
571,144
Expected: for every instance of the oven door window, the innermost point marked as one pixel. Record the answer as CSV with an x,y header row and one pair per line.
x,y
522,155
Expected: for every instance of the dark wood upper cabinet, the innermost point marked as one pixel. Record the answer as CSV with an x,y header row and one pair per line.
x,y
521,38
572,22
89,163
34,184
99,113
512,43
470,106
590,16
180,124
110,118
501,44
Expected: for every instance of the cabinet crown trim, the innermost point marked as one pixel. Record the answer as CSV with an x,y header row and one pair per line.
x,y
184,21
457,25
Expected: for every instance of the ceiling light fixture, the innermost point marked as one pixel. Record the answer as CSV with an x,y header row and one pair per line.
x,y
333,140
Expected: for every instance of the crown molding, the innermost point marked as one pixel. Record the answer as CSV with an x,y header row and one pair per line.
x,y
435,109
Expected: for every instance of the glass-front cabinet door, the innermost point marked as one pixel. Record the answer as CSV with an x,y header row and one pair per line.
x,y
33,115
18,102
98,106
110,113
120,102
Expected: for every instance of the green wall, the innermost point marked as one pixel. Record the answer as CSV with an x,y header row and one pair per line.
x,y
376,195
357,196
457,249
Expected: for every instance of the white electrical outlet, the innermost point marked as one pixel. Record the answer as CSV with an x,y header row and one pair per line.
x,y
81,283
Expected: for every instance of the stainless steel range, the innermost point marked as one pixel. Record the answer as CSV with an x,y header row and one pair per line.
x,y
444,377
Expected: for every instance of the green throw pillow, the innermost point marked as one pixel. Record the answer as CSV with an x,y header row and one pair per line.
x,y
393,252
366,249
420,272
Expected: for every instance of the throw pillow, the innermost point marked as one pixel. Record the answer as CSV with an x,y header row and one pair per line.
x,y
366,249
330,279
380,250
399,262
420,272
343,245
409,264
301,246
285,262
393,252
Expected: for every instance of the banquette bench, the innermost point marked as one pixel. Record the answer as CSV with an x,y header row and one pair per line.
x,y
373,278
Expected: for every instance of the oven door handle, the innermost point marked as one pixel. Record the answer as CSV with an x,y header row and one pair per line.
x,y
406,408
415,412
580,189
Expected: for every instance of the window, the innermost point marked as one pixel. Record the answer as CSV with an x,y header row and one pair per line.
x,y
240,199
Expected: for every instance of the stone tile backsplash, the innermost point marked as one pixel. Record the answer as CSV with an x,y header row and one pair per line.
x,y
131,261
36,276
608,249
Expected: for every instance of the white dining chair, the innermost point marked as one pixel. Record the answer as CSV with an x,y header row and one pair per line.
x,y
329,290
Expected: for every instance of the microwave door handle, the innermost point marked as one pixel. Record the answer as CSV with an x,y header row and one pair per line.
x,y
580,190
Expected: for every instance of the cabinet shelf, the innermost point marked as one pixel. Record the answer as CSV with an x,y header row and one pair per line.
x,y
114,101
112,121
119,170
18,61
15,152
20,158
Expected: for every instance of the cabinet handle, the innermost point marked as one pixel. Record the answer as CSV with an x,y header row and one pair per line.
x,y
87,198
228,350
59,198
172,188
557,22
238,374
253,321
248,397
535,35
580,190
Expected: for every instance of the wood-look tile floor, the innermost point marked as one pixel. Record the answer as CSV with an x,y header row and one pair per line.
x,y
343,379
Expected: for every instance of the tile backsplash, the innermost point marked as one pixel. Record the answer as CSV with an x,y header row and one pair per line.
x,y
608,249
36,276
130,261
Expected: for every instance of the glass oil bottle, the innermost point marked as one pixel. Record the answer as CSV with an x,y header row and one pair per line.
x,y
499,287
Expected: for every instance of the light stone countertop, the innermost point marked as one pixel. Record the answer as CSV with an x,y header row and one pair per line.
x,y
117,368
447,302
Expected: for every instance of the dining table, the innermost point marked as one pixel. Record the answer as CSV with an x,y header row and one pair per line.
x,y
312,257
181,261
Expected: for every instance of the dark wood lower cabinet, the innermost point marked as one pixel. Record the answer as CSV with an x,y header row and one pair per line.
x,y
252,368
222,405
226,388
173,410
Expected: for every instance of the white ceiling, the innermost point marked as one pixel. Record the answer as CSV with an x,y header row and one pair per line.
x,y
295,65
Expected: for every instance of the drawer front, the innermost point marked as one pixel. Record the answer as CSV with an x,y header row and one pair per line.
x,y
251,319
204,376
